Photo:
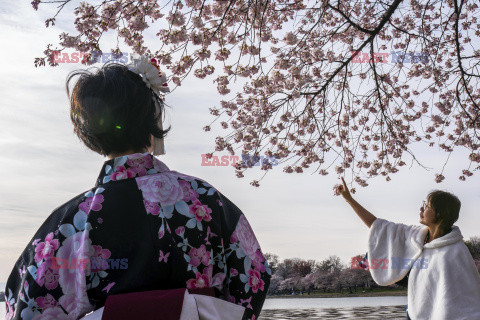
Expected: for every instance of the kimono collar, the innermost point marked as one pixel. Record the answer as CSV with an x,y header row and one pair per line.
x,y
130,166
452,237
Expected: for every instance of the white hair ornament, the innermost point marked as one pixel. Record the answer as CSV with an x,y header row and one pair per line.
x,y
155,79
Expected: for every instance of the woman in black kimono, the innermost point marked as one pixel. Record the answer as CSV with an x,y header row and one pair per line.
x,y
142,226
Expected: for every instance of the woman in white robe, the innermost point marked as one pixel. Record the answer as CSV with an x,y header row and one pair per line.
x,y
444,282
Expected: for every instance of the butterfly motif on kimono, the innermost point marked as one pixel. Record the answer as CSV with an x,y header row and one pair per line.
x,y
163,256
108,287
22,271
246,301
209,235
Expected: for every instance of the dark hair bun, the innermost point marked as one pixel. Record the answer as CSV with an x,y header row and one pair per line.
x,y
112,109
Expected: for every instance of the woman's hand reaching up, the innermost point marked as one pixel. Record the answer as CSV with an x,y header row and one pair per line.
x,y
364,214
342,190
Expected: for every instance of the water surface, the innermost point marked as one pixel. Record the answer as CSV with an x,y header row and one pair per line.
x,y
325,308
312,303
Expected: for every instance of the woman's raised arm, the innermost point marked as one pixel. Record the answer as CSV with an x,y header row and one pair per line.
x,y
363,213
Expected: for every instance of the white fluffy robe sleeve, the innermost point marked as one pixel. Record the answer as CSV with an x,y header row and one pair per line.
x,y
445,285
389,240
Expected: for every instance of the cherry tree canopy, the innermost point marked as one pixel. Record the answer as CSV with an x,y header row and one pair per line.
x,y
336,86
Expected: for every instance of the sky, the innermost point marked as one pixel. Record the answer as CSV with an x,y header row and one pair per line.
x,y
43,164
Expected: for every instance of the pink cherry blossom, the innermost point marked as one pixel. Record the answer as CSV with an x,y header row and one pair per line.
x,y
198,256
291,56
188,193
98,259
233,272
92,204
202,280
255,280
46,249
48,276
46,302
140,163
290,38
180,231
201,211
122,173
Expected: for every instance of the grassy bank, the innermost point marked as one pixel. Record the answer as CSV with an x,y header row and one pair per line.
x,y
377,292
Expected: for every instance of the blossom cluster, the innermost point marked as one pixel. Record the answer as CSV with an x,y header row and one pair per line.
x,y
305,101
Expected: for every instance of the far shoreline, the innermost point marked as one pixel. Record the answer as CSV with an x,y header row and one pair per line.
x,y
389,293
343,295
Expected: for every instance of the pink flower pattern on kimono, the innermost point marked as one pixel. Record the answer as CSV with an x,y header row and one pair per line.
x,y
209,261
198,256
159,166
46,249
258,262
202,280
151,207
46,302
98,259
122,173
246,238
74,248
233,272
92,203
10,311
218,279
188,193
139,163
76,305
201,211
55,313
180,231
255,280
163,188
48,276
99,252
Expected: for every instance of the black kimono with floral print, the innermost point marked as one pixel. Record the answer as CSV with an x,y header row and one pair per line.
x,y
142,227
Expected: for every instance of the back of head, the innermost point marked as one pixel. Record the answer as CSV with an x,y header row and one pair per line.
x,y
446,207
113,110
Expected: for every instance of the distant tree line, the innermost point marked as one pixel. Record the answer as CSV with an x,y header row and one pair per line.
x,y
298,275
331,275
473,245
